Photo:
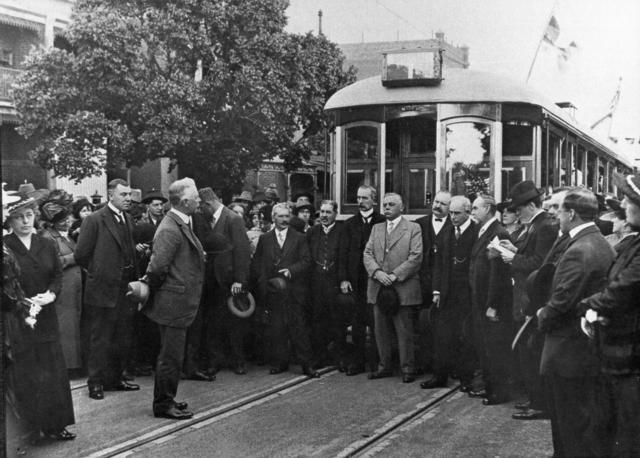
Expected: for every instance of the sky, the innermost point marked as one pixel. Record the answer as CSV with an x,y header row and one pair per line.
x,y
503,36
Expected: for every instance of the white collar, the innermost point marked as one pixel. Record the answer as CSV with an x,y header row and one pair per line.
x,y
433,219
366,214
486,225
218,212
395,221
465,225
327,229
573,232
114,209
184,217
283,231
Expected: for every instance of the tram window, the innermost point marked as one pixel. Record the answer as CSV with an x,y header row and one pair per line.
x,y
602,173
578,167
360,161
467,160
591,171
361,142
517,140
610,177
355,179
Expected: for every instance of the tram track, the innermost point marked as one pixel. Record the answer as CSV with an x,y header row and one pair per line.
x,y
204,418
374,443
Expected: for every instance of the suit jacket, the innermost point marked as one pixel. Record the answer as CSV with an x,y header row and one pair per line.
x,y
101,251
618,302
444,260
351,248
532,250
175,273
429,249
490,279
40,270
232,227
581,271
315,239
399,253
269,258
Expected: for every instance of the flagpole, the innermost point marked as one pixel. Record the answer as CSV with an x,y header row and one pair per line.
x,y
535,56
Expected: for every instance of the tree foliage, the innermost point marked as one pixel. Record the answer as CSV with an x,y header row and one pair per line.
x,y
128,88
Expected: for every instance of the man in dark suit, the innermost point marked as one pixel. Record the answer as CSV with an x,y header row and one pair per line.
x,y
568,365
491,299
393,257
537,239
225,332
106,250
353,278
453,352
175,274
615,313
281,263
433,224
328,325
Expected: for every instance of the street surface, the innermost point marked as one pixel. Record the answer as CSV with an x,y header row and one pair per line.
x,y
288,415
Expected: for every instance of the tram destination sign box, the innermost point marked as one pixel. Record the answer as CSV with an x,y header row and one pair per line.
x,y
412,67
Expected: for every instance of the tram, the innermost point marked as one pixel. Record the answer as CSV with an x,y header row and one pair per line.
x,y
419,128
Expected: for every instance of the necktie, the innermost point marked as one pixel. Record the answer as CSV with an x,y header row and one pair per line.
x,y
458,233
281,238
213,222
390,227
120,218
366,219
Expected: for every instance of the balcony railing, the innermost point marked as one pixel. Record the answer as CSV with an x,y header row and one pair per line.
x,y
7,77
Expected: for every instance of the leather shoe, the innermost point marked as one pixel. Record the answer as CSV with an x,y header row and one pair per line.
x,y
379,374
181,405
240,369
354,369
306,370
174,414
478,393
201,376
466,387
408,378
492,400
62,435
96,392
530,414
433,382
123,386
278,370
526,405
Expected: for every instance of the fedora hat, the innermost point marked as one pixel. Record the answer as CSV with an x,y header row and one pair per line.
x,y
138,291
524,192
241,305
629,185
306,194
245,197
388,301
538,285
277,285
153,194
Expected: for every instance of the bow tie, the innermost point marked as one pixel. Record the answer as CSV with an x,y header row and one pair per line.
x,y
439,220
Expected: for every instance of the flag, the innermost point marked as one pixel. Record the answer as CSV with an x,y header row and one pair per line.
x,y
552,31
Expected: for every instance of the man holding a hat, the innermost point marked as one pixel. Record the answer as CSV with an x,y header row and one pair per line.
x,y
568,365
615,311
538,237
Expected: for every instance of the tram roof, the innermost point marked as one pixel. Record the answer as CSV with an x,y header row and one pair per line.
x,y
458,86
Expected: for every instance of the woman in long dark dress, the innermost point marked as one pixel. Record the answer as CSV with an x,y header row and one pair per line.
x,y
38,385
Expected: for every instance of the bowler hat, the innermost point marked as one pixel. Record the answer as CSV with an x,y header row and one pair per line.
x,y
241,305
306,194
613,203
138,291
152,195
538,285
629,185
260,197
277,285
524,192
388,302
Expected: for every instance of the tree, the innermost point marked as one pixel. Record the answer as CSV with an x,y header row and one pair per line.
x,y
129,88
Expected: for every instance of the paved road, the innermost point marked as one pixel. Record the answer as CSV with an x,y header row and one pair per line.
x,y
289,415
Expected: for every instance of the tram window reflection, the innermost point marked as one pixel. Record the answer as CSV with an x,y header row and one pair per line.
x,y
361,159
468,152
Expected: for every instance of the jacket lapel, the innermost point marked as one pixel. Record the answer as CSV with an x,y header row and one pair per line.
x,y
110,224
188,233
397,233
484,239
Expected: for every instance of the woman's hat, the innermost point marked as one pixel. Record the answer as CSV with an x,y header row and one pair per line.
x,y
629,185
152,195
308,195
241,305
524,192
53,212
8,197
506,205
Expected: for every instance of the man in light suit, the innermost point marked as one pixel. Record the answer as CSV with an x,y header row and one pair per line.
x,y
392,257
107,251
175,274
569,365
280,265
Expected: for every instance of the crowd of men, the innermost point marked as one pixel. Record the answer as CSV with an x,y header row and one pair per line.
x,y
450,294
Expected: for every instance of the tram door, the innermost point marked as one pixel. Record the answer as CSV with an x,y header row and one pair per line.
x,y
410,161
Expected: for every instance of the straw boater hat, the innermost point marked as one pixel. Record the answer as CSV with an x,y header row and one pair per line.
x,y
629,185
